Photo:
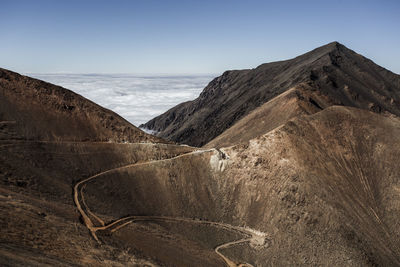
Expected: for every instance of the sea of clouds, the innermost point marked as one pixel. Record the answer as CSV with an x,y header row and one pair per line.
x,y
136,98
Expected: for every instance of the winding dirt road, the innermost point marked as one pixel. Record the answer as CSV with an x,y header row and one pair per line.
x,y
250,235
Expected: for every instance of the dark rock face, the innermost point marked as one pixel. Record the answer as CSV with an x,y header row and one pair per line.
x,y
343,76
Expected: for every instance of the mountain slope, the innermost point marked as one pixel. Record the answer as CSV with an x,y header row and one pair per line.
x,y
341,75
300,100
325,187
37,110
322,188
50,138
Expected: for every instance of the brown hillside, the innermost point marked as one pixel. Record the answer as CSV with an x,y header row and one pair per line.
x,y
325,187
320,190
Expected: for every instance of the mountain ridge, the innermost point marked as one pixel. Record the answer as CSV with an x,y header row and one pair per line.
x,y
346,77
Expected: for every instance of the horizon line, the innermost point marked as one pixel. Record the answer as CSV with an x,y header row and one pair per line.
x,y
122,73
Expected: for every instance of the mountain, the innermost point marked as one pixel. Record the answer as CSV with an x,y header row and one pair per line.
x,y
39,110
295,180
333,73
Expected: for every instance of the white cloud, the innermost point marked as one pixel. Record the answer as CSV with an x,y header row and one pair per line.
x,y
136,98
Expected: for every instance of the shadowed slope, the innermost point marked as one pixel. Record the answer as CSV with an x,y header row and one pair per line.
x,y
343,76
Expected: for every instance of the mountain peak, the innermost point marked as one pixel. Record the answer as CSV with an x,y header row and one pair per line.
x,y
333,47
334,44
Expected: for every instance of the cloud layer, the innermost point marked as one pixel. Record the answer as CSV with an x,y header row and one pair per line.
x,y
136,98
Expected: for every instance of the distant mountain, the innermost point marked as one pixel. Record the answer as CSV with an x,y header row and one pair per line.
x,y
332,74
38,110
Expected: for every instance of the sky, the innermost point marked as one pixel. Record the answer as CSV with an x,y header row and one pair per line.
x,y
188,37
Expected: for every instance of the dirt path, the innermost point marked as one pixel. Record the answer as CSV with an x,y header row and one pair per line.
x,y
250,235
88,222
226,245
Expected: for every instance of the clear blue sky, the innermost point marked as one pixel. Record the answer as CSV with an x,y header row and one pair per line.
x,y
188,36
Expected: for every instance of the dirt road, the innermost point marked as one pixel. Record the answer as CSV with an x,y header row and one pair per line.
x,y
250,234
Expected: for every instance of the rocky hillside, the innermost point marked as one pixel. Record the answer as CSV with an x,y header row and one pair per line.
x,y
322,189
37,110
337,74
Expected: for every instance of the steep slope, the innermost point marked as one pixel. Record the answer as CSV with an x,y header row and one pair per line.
x,y
33,109
343,76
